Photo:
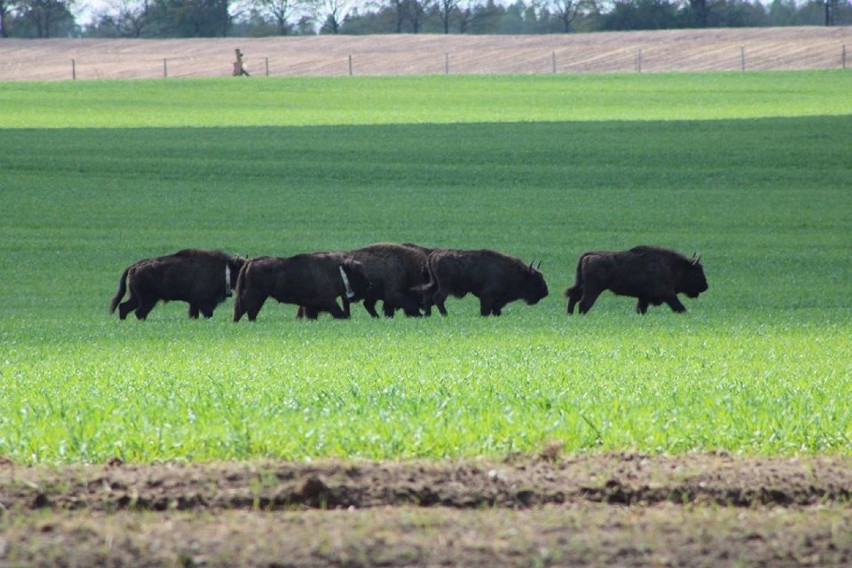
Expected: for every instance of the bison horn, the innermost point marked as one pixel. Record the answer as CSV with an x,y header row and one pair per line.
x,y
538,266
696,259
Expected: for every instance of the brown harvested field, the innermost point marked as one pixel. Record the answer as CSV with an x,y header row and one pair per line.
x,y
599,510
653,51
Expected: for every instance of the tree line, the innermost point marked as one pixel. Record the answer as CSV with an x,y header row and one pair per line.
x,y
258,18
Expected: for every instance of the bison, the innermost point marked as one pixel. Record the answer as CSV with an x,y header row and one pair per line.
x,y
203,278
312,281
393,270
493,277
651,274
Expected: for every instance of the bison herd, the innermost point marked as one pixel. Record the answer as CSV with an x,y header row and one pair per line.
x,y
406,277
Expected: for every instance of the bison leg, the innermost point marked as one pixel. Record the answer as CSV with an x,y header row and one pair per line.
x,y
193,311
424,298
487,307
335,310
126,307
207,310
675,304
251,309
642,306
310,312
238,309
411,306
438,300
588,300
574,294
426,304
370,306
406,302
145,307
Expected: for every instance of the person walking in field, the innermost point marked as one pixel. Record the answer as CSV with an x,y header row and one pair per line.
x,y
239,68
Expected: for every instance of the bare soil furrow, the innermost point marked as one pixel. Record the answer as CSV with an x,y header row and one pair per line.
x,y
701,479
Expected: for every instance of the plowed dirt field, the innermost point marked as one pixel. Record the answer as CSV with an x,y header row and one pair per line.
x,y
547,510
653,51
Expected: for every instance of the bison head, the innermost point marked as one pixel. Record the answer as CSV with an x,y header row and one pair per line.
x,y
693,282
534,288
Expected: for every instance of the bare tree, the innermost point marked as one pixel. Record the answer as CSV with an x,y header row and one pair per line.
x,y
332,13
281,12
418,12
45,15
460,11
126,18
399,14
700,10
466,14
5,11
565,10
830,9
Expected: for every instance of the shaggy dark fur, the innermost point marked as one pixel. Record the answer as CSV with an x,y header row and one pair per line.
x,y
493,277
312,281
653,275
393,270
203,278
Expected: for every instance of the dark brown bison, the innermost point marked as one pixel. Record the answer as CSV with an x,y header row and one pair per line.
x,y
313,281
653,275
203,278
393,271
493,277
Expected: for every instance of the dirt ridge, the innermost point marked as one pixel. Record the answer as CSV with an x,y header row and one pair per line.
x,y
519,483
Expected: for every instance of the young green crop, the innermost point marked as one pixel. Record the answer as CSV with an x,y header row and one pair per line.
x,y
422,100
759,364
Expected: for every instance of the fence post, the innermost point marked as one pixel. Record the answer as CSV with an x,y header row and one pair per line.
x,y
553,60
350,65
165,69
843,57
74,69
742,59
639,61
267,66
446,63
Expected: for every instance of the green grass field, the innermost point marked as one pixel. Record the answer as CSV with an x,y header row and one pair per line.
x,y
752,170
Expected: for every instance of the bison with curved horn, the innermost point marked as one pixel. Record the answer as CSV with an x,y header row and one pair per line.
x,y
313,281
203,278
493,277
651,274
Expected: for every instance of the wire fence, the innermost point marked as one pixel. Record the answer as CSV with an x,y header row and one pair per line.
x,y
614,57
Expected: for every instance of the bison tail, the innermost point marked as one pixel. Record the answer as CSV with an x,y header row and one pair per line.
x,y
429,286
578,277
122,288
239,307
